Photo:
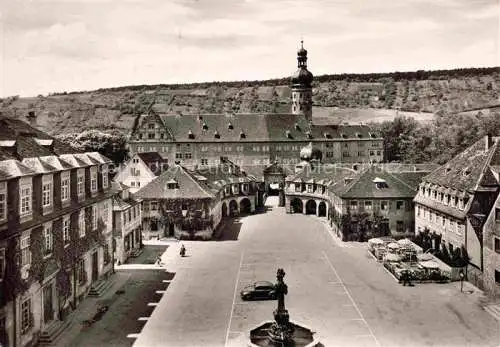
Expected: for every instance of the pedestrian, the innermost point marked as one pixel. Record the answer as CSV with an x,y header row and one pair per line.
x,y
404,277
158,260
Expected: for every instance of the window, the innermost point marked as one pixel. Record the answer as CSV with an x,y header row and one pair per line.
x,y
104,176
227,149
245,187
132,184
82,274
26,316
81,223
93,179
309,188
2,263
154,205
178,155
204,162
66,230
399,226
46,194
94,217
400,205
47,240
444,221
25,252
151,125
368,205
138,184
105,212
298,187
497,214
64,187
497,277
151,136
25,199
354,205
418,211
80,182
235,188
3,201
496,241
384,205
187,156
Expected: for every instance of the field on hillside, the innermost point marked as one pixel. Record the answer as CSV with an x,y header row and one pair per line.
x,y
336,98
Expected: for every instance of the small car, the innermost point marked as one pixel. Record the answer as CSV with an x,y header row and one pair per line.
x,y
260,290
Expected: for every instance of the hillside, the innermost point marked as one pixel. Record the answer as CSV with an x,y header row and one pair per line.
x,y
337,98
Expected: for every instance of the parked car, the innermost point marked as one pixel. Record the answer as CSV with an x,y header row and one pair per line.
x,y
260,290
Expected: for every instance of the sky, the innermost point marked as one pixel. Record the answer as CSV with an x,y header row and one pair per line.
x,y
74,45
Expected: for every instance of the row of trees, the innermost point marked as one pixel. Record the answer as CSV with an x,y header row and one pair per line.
x,y
112,145
407,140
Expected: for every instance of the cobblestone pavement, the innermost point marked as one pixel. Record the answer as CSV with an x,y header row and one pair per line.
x,y
342,293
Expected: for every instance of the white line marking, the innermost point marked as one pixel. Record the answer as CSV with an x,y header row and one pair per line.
x,y
152,303
143,318
352,300
160,292
234,298
133,336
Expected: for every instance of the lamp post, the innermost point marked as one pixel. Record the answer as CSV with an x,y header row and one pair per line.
x,y
462,276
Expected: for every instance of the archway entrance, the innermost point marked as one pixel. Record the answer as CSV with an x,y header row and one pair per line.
x,y
245,206
296,205
224,209
233,208
311,207
322,209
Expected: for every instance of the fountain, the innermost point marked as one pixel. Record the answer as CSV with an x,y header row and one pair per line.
x,y
281,332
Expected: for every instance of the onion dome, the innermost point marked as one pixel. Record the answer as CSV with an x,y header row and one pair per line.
x,y
310,152
302,76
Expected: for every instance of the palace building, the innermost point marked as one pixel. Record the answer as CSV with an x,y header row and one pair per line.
x,y
55,232
254,139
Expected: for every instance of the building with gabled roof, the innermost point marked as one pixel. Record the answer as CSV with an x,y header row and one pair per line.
x,y
254,139
141,169
455,201
354,198
127,221
55,231
190,204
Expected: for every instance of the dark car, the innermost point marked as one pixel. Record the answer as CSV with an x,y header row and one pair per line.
x,y
258,291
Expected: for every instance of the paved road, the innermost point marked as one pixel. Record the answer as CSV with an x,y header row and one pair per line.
x,y
340,292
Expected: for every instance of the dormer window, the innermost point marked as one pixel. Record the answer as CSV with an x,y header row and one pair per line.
x,y
297,127
216,134
242,135
372,135
467,171
309,135
359,135
448,168
326,135
190,134
288,134
205,126
230,126
380,183
347,181
200,117
344,136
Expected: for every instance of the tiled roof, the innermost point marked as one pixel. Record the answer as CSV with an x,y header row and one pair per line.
x,y
189,186
327,173
73,160
39,165
215,177
119,204
99,157
4,176
56,162
151,157
465,170
363,186
255,127
29,141
413,179
14,168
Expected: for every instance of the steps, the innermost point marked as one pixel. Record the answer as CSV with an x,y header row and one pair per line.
x,y
50,336
494,310
99,288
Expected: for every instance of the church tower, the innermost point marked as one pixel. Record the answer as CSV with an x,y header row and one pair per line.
x,y
301,85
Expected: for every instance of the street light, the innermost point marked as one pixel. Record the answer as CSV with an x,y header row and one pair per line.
x,y
462,276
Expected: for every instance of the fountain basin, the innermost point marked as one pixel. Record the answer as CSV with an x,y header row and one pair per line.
x,y
302,336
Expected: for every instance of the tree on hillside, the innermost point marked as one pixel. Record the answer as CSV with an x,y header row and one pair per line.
x,y
112,145
398,136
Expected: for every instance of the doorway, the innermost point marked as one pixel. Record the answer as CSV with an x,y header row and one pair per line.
x,y
48,309
95,266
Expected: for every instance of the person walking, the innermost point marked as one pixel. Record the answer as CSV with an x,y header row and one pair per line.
x,y
158,260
